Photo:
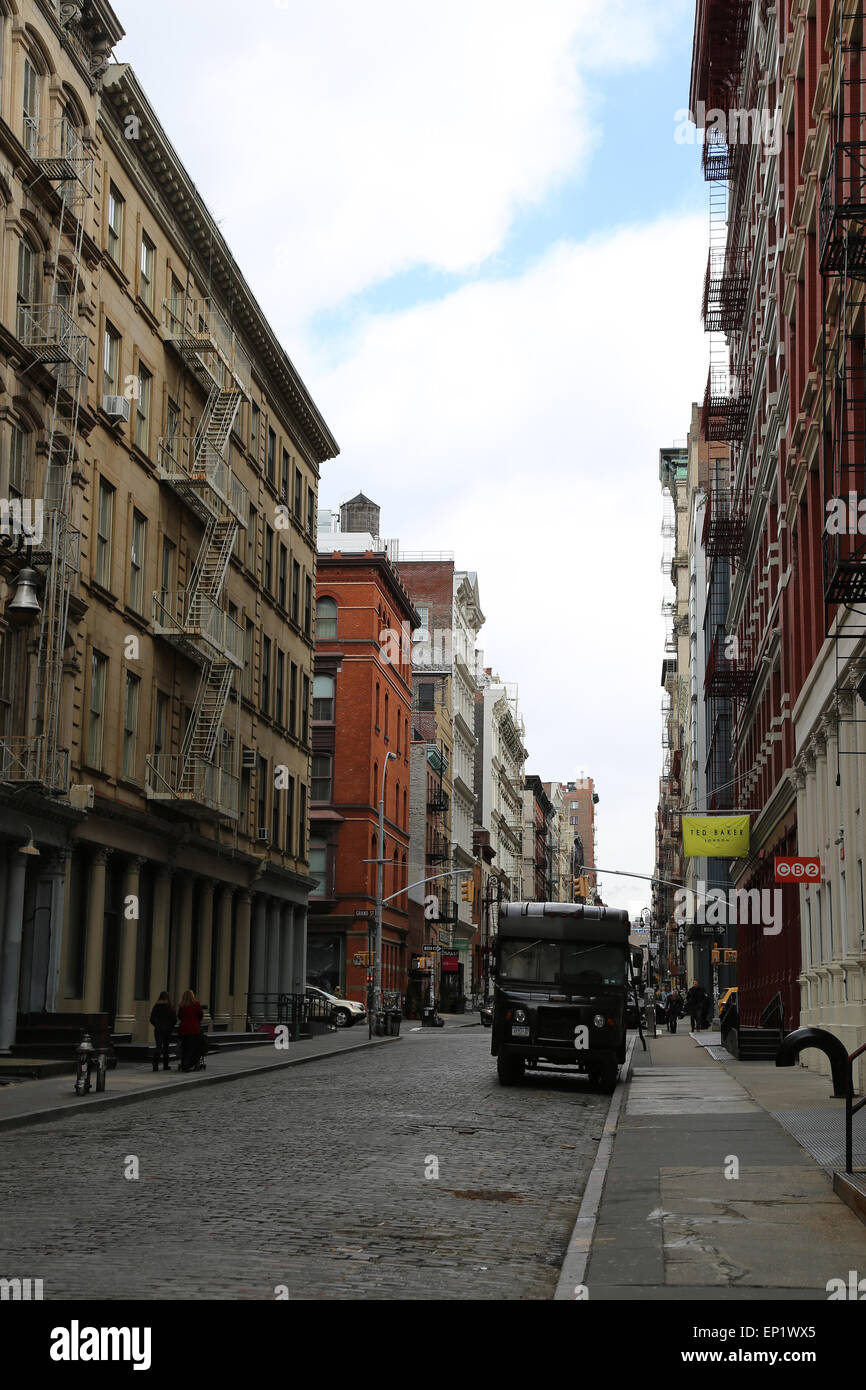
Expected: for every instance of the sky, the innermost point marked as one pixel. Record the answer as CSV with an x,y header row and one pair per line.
x,y
483,249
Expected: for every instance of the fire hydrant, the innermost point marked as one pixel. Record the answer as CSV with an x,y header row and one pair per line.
x,y
88,1060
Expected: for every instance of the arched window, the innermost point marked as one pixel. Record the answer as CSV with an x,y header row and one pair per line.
x,y
377,704
374,799
26,292
323,698
397,804
32,104
326,619
405,815
386,715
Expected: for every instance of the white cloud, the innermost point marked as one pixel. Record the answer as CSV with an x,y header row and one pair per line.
x,y
518,423
341,144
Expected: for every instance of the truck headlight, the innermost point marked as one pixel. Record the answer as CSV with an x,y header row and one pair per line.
x,y
598,1021
519,1015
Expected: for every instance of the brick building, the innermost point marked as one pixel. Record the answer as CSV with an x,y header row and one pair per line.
x,y
362,708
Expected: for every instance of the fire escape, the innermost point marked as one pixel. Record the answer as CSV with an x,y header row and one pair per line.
x,y
842,226
723,27
51,336
193,619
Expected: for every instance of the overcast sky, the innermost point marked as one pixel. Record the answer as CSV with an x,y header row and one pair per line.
x,y
480,244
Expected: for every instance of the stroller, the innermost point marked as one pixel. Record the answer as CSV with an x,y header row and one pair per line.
x,y
198,1055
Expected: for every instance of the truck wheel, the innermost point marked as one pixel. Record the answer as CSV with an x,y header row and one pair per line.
x,y
607,1079
509,1069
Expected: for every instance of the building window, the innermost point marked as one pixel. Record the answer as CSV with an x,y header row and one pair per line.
x,y
422,633
311,510
305,708
111,361
249,638
26,283
323,698
142,409
281,666
115,225
98,673
272,454
262,821
296,589
130,724
281,581
32,97
377,704
308,605
293,697
104,524
172,428
160,724
290,816
148,253
269,558
318,867
265,690
302,825
175,303
426,695
320,786
284,487
326,619
168,571
299,489
136,562
255,432
19,461
251,539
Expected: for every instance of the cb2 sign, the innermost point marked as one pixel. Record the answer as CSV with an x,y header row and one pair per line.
x,y
797,869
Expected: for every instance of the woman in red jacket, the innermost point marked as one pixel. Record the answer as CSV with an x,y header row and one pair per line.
x,y
190,1014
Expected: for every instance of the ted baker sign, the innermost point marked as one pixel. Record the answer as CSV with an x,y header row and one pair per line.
x,y
797,869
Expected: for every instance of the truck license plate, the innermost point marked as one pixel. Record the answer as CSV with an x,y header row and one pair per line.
x,y
518,1032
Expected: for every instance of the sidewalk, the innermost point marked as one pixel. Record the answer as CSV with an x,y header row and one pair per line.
x,y
36,1102
705,1194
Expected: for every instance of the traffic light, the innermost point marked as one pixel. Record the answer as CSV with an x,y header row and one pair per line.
x,y
467,890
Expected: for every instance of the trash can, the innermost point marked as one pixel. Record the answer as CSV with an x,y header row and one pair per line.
x,y
381,1025
394,1020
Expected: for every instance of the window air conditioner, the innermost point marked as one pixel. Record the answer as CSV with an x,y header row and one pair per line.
x,y
263,835
248,759
117,407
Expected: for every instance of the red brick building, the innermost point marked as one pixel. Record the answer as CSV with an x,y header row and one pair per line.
x,y
362,702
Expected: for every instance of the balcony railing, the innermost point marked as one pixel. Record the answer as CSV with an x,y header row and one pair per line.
x,y
59,151
197,619
196,327
184,462
52,335
27,760
196,782
842,212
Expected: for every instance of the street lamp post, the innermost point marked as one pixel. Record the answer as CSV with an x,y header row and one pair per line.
x,y
380,853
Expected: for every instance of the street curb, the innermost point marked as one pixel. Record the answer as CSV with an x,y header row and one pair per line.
x,y
37,1117
580,1245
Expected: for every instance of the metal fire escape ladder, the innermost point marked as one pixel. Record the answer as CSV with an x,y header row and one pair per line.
x,y
200,473
51,334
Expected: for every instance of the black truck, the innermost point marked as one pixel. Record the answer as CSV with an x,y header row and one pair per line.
x,y
560,995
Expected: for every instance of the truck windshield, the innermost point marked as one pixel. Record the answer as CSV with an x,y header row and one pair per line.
x,y
556,963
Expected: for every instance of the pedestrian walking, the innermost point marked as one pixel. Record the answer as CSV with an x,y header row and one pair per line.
x,y
162,1018
696,1001
674,1009
190,1015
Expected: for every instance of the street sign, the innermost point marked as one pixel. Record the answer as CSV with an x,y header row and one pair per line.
x,y
365,914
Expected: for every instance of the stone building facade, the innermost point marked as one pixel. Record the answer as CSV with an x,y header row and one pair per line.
x,y
171,820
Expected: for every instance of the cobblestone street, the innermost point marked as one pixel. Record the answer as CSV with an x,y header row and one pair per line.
x,y
313,1178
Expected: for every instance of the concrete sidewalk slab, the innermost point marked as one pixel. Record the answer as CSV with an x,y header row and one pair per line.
x,y
707,1196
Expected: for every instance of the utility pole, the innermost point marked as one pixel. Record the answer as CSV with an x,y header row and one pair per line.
x,y
377,988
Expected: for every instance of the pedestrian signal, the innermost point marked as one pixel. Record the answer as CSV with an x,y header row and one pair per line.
x,y
467,890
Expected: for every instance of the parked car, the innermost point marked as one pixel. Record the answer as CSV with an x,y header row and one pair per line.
x,y
344,1012
729,994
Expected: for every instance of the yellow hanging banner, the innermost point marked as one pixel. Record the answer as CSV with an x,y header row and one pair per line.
x,y
717,837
